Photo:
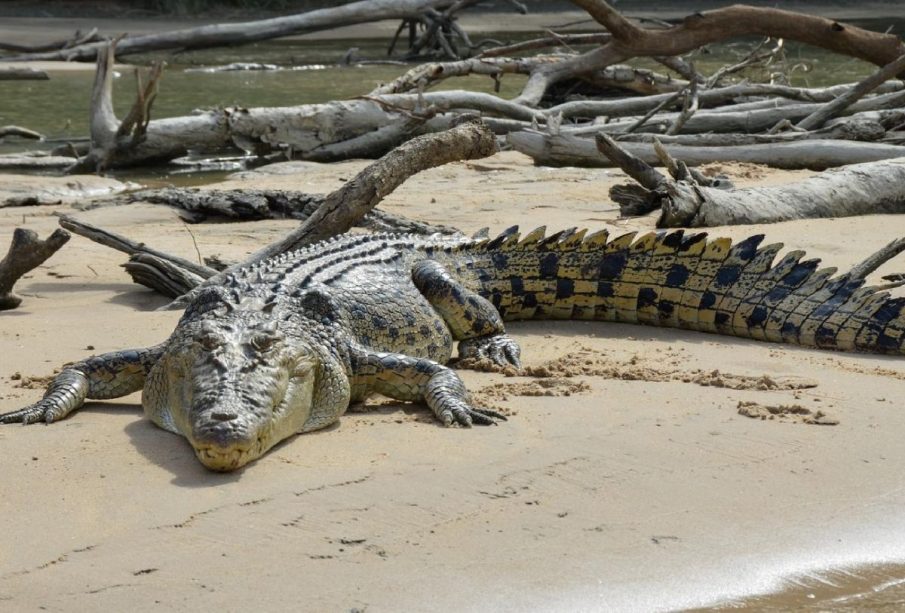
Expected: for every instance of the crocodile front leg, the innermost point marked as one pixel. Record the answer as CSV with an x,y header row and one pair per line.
x,y
403,377
472,319
109,375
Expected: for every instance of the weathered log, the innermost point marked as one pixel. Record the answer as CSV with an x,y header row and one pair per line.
x,y
121,243
22,74
653,187
113,140
255,204
639,105
36,160
77,39
851,129
865,86
347,205
168,274
20,132
366,127
216,35
337,212
818,154
860,189
26,252
758,120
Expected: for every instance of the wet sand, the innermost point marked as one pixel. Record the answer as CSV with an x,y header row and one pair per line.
x,y
625,479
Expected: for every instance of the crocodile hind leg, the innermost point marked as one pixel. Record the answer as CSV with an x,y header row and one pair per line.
x,y
472,319
100,377
404,377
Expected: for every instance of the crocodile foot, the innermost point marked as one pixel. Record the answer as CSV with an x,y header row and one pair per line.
x,y
446,396
499,349
66,393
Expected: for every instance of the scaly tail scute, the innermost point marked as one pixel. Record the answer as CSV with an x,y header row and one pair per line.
x,y
688,281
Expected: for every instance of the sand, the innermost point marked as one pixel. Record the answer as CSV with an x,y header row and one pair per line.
x,y
625,478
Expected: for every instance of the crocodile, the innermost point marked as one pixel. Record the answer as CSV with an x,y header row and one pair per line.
x,y
284,347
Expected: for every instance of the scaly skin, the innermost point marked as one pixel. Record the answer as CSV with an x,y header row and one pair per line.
x,y
285,346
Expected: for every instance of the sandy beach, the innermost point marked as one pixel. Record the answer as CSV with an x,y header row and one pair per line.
x,y
620,487
629,479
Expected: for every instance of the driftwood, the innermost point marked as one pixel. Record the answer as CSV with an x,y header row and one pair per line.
x,y
834,108
321,132
168,274
730,120
247,32
77,39
336,213
851,129
344,207
22,74
197,205
26,252
630,40
36,160
816,154
859,189
393,113
20,132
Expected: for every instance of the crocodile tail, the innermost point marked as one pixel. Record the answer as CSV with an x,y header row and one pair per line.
x,y
688,281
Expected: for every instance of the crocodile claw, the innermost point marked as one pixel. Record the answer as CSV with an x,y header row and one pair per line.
x,y
500,349
466,416
29,415
45,410
66,393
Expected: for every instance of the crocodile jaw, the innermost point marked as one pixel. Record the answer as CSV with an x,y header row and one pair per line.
x,y
257,429
234,389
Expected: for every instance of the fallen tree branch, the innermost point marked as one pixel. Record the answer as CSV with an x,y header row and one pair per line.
x,y
851,129
255,204
223,34
130,247
689,108
77,39
337,212
20,132
699,29
865,86
859,189
26,252
875,260
638,105
553,40
168,274
817,154
467,141
758,120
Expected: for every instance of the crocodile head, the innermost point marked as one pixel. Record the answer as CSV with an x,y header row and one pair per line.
x,y
233,386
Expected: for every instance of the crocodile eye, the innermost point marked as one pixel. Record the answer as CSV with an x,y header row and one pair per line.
x,y
209,342
262,342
